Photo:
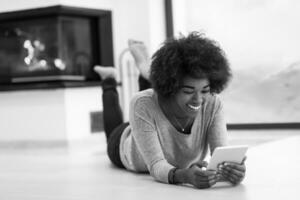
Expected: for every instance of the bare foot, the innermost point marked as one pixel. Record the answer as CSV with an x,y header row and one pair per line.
x,y
105,72
141,57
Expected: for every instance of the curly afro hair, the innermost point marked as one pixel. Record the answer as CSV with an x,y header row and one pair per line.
x,y
196,56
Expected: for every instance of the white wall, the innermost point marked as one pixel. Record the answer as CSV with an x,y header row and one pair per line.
x,y
101,4
52,115
179,17
20,4
63,114
32,115
79,103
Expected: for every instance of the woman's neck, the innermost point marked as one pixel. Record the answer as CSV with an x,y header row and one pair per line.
x,y
181,123
171,109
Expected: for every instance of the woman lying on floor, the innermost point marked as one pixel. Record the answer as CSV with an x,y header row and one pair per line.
x,y
172,125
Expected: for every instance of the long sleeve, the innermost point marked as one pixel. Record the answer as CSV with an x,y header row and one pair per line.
x,y
147,140
217,131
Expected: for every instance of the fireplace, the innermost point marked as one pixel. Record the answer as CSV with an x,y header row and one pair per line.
x,y
53,47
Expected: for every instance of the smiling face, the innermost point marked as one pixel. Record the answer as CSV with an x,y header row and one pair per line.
x,y
191,96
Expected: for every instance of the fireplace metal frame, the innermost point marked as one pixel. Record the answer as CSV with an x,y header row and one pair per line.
x,y
102,37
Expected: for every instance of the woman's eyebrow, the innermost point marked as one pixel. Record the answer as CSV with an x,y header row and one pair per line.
x,y
191,87
187,86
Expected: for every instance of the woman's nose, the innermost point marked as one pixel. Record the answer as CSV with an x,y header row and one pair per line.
x,y
198,98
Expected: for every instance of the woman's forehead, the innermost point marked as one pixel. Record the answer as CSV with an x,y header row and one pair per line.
x,y
190,82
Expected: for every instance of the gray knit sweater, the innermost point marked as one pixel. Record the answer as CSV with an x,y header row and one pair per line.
x,y
151,143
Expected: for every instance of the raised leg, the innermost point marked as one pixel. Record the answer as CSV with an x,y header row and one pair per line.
x,y
112,112
141,57
142,60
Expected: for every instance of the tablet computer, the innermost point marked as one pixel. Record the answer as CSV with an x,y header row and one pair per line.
x,y
227,153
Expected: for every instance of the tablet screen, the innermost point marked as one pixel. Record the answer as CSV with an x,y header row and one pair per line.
x,y
227,153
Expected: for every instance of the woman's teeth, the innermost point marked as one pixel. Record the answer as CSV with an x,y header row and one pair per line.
x,y
194,107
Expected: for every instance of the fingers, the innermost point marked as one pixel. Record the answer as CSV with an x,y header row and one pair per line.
x,y
231,165
203,164
202,182
233,172
204,178
232,178
204,173
245,158
205,184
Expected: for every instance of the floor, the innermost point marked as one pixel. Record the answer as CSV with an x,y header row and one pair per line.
x,y
83,171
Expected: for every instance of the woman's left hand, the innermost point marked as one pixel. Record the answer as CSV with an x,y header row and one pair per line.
x,y
233,172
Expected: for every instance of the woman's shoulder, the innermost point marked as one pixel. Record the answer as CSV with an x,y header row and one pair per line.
x,y
214,103
145,98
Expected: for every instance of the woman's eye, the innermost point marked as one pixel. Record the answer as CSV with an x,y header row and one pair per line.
x,y
188,92
205,92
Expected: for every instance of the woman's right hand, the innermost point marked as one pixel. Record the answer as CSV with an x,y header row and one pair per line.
x,y
201,178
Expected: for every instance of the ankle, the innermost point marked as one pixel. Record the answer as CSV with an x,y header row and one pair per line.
x,y
106,72
109,84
